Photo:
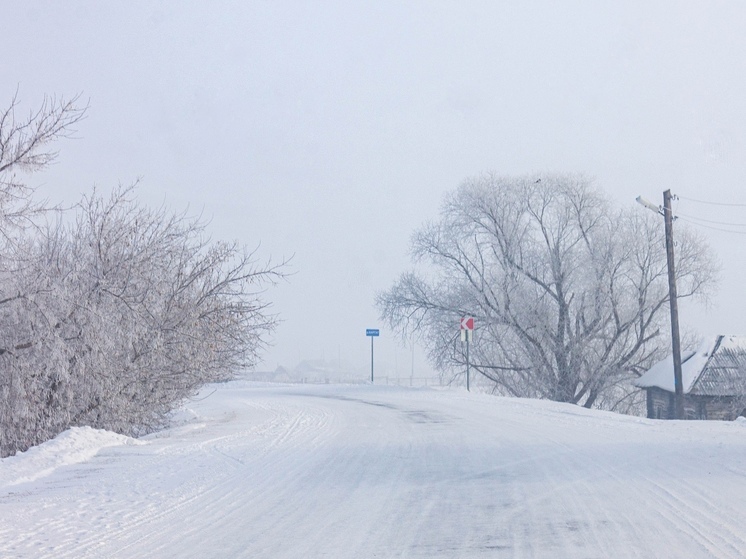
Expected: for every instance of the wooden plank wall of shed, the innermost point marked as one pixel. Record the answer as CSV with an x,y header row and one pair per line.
x,y
660,405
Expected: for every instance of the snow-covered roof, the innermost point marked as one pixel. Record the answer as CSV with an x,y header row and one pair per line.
x,y
723,358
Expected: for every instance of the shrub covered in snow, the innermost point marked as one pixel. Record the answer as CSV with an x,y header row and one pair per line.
x,y
114,313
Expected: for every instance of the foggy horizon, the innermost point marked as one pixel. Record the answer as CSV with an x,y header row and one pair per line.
x,y
330,133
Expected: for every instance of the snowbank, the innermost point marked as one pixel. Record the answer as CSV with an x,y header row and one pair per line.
x,y
73,446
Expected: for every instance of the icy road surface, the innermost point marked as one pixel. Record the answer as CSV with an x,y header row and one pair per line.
x,y
355,472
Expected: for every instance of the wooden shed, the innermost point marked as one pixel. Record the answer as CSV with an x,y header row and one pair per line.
x,y
713,379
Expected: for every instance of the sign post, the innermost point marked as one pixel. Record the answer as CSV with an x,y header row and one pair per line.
x,y
467,333
372,333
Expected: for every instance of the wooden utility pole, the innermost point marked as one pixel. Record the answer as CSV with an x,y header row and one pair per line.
x,y
675,340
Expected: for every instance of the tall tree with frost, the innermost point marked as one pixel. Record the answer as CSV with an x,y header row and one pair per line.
x,y
133,310
25,146
114,313
570,296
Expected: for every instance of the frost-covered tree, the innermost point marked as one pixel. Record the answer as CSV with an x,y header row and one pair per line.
x,y
113,313
25,147
570,296
121,314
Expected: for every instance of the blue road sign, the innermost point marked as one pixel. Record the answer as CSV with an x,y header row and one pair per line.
x,y
371,332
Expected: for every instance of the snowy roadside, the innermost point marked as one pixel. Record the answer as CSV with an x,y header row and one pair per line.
x,y
73,446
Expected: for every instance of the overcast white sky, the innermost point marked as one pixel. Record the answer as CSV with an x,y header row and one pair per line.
x,y
331,130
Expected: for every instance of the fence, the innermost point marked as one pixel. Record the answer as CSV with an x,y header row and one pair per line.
x,y
410,381
331,379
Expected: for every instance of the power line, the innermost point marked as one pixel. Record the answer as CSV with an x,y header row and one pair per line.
x,y
711,203
713,228
730,224
700,222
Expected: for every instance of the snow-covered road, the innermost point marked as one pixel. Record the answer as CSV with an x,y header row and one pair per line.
x,y
342,471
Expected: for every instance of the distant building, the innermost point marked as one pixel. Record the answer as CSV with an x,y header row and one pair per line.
x,y
713,379
281,374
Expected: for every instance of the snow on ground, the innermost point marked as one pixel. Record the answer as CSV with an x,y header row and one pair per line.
x,y
286,471
75,445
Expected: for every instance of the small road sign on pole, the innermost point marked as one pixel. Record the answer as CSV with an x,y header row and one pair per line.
x,y
467,323
467,333
372,333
